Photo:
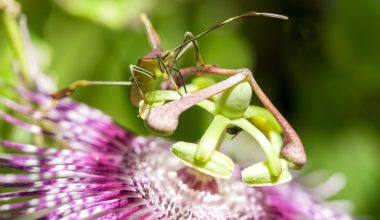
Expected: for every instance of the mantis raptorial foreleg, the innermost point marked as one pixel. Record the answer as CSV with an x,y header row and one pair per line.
x,y
166,71
178,54
69,90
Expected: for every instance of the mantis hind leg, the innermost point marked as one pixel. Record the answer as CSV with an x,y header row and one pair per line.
x,y
69,90
177,55
180,78
181,50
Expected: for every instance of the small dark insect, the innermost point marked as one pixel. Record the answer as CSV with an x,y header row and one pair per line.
x,y
235,130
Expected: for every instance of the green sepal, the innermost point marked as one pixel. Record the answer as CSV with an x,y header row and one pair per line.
x,y
259,175
219,165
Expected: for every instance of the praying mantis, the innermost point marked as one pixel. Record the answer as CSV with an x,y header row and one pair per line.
x,y
157,69
158,65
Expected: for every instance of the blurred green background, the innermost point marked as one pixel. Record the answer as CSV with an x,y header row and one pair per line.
x,y
321,68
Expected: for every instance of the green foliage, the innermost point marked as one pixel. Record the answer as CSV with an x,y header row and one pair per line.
x,y
113,14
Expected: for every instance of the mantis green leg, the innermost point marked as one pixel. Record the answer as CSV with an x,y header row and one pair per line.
x,y
181,50
136,69
68,91
177,55
164,69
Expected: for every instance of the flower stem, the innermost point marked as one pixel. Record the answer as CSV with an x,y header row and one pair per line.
x,y
9,14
